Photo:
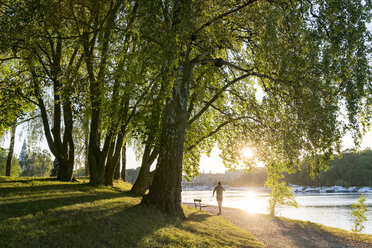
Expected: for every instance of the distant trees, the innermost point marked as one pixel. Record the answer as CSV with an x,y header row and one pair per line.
x,y
350,169
37,163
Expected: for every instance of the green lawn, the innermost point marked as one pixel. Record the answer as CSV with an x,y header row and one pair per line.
x,y
42,212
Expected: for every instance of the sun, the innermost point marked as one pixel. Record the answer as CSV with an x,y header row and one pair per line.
x,y
247,153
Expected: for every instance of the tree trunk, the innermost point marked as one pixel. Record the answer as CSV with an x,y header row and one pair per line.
x,y
117,170
66,170
123,161
165,191
96,167
11,150
86,134
145,178
113,160
66,166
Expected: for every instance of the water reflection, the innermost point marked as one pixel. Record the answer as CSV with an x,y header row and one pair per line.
x,y
249,203
331,209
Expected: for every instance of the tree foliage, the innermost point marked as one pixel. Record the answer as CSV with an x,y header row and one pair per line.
x,y
37,164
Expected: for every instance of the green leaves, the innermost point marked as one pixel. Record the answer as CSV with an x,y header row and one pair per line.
x,y
358,212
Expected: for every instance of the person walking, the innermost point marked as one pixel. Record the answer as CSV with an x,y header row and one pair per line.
x,y
219,196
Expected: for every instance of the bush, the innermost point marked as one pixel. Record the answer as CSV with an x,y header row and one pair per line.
x,y
359,210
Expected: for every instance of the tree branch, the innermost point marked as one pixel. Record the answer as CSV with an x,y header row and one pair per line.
x,y
215,97
213,20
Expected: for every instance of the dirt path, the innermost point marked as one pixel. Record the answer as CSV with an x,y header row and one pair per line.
x,y
274,232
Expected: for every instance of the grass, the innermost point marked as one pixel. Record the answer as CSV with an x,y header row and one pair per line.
x,y
42,212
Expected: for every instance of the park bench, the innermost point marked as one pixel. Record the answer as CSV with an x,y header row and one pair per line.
x,y
197,203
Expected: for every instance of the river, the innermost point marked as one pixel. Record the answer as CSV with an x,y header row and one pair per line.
x,y
330,209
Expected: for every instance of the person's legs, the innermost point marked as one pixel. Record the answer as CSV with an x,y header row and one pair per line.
x,y
219,205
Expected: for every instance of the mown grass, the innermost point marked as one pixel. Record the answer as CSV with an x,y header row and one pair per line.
x,y
43,212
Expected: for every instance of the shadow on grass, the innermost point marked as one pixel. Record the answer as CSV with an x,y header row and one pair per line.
x,y
35,205
110,226
198,216
305,236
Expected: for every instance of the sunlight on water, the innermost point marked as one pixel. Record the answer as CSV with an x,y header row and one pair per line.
x,y
249,203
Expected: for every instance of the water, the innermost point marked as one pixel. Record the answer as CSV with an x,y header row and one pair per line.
x,y
331,209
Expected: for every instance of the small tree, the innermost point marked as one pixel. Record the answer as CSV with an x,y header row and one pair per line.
x,y
280,194
359,210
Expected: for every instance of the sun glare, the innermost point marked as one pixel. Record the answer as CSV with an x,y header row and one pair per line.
x,y
247,153
251,204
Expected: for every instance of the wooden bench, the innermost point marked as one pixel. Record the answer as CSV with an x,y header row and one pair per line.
x,y
197,203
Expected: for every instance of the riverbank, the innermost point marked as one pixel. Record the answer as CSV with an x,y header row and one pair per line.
x,y
42,212
284,232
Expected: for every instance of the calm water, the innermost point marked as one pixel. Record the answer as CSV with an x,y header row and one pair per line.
x,y
332,209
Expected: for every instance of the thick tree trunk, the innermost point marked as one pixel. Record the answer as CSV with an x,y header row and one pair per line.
x,y
113,160
66,170
143,182
96,164
165,191
11,150
145,178
123,161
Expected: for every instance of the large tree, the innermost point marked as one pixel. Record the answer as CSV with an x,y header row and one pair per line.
x,y
308,57
45,51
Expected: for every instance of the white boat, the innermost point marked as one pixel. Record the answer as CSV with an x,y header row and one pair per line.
x,y
339,189
353,189
312,190
363,190
326,190
296,189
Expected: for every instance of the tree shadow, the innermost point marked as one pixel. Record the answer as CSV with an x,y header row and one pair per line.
x,y
198,216
42,188
31,206
83,217
107,227
304,236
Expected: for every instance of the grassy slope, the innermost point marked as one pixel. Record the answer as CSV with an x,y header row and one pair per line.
x,y
46,213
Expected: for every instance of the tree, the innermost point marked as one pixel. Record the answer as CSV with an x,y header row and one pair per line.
x,y
15,169
11,149
359,210
300,54
46,64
